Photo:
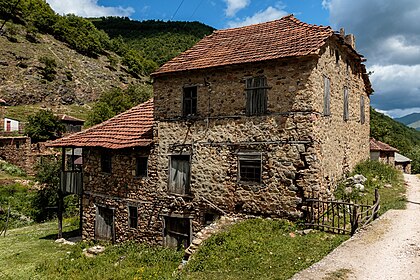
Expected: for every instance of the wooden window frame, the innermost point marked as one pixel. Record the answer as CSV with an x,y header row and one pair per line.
x,y
256,95
189,101
142,167
186,191
249,163
346,114
327,96
133,216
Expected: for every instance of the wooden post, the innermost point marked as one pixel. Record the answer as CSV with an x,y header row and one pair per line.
x,y
60,195
355,223
376,209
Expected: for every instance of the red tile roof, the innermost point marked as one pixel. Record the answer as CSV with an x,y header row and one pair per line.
x,y
376,145
67,118
131,128
285,37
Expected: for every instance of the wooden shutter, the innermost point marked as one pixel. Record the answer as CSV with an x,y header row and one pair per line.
x,y
346,104
256,96
327,96
104,224
362,109
179,180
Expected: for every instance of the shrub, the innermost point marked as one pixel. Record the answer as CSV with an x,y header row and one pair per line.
x,y
48,71
11,169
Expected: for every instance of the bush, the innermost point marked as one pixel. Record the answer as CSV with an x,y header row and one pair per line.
x,y
43,126
48,71
11,169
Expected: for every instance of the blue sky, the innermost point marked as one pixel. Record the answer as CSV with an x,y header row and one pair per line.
x,y
387,31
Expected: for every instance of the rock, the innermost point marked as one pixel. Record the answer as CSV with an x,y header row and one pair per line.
x,y
96,250
65,242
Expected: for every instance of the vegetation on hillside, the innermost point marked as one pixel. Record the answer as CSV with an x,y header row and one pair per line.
x,y
117,101
159,41
405,139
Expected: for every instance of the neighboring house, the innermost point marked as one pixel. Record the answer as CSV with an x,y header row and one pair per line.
x,y
11,125
72,124
402,163
251,120
382,152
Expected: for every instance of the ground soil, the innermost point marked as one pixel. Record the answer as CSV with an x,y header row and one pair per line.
x,y
389,248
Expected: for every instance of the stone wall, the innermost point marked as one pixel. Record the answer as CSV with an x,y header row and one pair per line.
x,y
342,143
16,150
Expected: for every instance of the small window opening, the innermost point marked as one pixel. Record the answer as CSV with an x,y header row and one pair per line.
x,y
337,56
327,96
133,216
250,168
189,101
106,160
362,109
141,166
346,104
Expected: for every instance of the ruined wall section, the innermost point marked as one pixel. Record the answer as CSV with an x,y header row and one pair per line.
x,y
342,143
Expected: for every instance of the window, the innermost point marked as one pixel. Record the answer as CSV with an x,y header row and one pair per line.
x,y
179,174
189,101
256,96
249,167
327,96
337,57
362,109
346,104
141,167
106,162
133,216
177,233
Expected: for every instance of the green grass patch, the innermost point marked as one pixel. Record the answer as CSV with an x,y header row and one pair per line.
x,y
259,249
31,253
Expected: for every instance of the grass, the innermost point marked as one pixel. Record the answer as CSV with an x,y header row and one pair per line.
x,y
259,249
31,253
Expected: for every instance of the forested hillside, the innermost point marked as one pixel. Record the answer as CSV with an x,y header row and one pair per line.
x,y
405,139
411,120
158,41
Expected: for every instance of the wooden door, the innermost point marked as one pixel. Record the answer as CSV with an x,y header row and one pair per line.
x,y
104,224
177,233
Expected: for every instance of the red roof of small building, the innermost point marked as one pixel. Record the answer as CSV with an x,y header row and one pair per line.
x,y
376,145
285,37
67,118
131,128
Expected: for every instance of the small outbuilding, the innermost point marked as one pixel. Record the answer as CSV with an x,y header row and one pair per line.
x,y
382,152
403,163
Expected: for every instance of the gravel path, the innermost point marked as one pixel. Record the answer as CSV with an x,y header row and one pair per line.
x,y
389,248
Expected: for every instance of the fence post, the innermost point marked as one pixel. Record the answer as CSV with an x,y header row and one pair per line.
x,y
376,209
355,223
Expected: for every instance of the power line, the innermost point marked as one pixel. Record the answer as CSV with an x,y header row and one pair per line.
x,y
196,8
177,9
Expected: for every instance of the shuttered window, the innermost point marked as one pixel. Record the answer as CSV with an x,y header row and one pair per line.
x,y
179,174
133,216
346,104
327,96
362,109
249,167
256,96
189,101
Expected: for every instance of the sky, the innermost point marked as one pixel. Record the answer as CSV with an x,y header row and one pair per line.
x,y
387,32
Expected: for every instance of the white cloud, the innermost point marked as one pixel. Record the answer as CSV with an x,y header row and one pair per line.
x,y
233,6
388,35
268,14
88,8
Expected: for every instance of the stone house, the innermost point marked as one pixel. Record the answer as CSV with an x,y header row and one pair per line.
x,y
382,152
250,120
71,124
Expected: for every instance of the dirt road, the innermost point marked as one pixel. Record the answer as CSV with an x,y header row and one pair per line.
x,y
388,249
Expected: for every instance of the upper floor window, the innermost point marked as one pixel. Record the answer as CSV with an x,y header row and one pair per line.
x,y
189,101
141,167
346,104
179,174
249,165
362,109
256,96
327,96
106,162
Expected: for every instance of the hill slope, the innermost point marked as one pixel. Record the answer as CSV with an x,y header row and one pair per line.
x,y
158,41
411,120
78,78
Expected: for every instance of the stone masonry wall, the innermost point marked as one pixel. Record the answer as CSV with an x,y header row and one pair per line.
x,y
16,150
342,144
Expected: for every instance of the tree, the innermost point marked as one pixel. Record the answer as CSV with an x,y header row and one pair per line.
x,y
48,71
43,126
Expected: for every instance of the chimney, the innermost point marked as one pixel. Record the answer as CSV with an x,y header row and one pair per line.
x,y
351,40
